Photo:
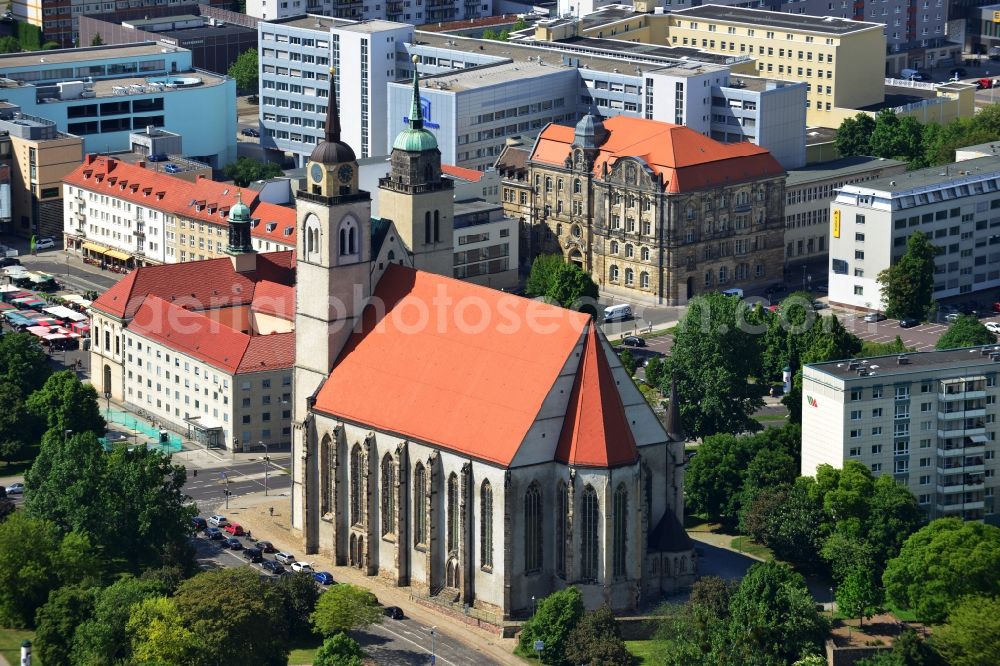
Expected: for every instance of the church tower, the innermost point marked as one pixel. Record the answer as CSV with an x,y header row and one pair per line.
x,y
240,248
416,198
333,279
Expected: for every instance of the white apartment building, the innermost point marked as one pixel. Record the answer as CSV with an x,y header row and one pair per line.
x,y
957,206
926,418
415,12
808,194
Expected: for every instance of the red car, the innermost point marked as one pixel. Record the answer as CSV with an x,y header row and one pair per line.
x,y
996,307
234,528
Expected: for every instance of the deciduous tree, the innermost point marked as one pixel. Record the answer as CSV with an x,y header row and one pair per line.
x,y
854,135
966,331
23,363
246,170
57,620
628,362
344,608
244,71
908,285
553,622
159,635
858,595
339,650
65,403
942,562
971,636
101,638
596,640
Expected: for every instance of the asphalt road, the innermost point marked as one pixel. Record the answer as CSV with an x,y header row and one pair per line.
x,y
207,489
394,642
67,269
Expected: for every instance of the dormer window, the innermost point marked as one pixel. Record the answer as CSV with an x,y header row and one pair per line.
x,y
271,226
254,223
288,231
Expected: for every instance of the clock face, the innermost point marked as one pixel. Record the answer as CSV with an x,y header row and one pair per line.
x,y
345,173
317,173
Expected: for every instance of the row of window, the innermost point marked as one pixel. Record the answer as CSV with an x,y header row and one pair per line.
x,y
902,391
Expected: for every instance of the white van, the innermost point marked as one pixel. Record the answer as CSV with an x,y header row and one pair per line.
x,y
615,312
736,291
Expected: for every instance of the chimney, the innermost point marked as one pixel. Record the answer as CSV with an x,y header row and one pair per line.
x,y
141,164
90,158
112,163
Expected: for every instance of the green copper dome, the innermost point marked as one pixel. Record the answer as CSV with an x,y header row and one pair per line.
x,y
415,139
240,212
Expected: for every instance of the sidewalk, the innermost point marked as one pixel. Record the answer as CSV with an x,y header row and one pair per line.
x,y
251,511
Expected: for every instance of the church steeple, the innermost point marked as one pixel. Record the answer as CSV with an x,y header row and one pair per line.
x,y
240,246
416,110
333,166
416,138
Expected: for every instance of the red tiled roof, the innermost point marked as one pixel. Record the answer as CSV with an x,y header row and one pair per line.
x,y
274,299
686,160
596,432
475,388
112,177
276,223
198,285
201,337
471,175
210,201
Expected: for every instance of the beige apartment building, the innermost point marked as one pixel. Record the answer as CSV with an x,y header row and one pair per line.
x,y
41,156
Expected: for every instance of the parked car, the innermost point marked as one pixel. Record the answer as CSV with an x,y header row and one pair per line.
x,y
249,131
158,157
199,523
232,543
302,567
908,322
633,341
214,534
217,521
284,558
45,244
952,317
172,168
395,612
993,326
874,316
253,555
323,577
266,547
273,567
15,489
235,529
819,305
9,261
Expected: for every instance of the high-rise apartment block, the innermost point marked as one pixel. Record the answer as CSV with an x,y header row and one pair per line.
x,y
414,12
956,206
926,418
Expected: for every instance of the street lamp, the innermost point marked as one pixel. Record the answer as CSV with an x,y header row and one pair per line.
x,y
433,658
107,398
267,460
534,606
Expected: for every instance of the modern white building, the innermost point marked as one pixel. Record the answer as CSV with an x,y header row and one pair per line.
x,y
486,245
957,206
928,418
103,93
415,12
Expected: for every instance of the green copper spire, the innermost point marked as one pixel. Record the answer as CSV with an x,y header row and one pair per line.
x,y
415,139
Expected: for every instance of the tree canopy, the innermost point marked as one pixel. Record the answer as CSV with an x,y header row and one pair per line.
x,y
57,621
344,608
244,71
23,363
101,637
246,170
942,562
854,135
563,283
65,403
339,650
908,284
966,331
597,641
553,622
971,636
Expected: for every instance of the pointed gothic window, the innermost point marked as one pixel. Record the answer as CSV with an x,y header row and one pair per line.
x,y
388,496
419,505
437,227
427,228
562,512
620,529
356,485
326,476
486,525
352,245
452,512
590,518
533,528
343,241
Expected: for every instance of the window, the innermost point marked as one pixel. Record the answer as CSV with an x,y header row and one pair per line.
x,y
876,467
901,448
486,525
589,542
388,496
877,393
855,452
356,485
855,414
452,512
855,433
620,529
533,529
876,449
877,413
855,394
562,511
925,479
419,505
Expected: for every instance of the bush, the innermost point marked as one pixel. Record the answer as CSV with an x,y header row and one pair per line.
x,y
553,622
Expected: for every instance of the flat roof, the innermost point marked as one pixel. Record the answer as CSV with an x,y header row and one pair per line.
x,y
845,166
888,366
58,56
324,23
489,75
609,55
613,46
757,83
206,31
990,147
828,25
816,135
165,19
106,87
902,183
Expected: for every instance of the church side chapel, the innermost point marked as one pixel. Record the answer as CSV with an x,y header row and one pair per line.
x,y
481,448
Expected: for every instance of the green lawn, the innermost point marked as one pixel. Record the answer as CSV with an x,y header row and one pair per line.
x,y
304,652
642,651
747,545
10,645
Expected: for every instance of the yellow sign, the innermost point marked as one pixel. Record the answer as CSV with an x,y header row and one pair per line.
x,y
996,17
836,223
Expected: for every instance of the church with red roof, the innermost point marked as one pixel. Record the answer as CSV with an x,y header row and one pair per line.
x,y
480,448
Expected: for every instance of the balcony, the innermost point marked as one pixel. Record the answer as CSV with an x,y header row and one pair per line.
x,y
960,507
976,413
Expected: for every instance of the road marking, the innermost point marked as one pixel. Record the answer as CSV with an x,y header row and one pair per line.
x,y
398,635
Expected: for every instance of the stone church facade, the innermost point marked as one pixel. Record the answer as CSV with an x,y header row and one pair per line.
x,y
491,452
